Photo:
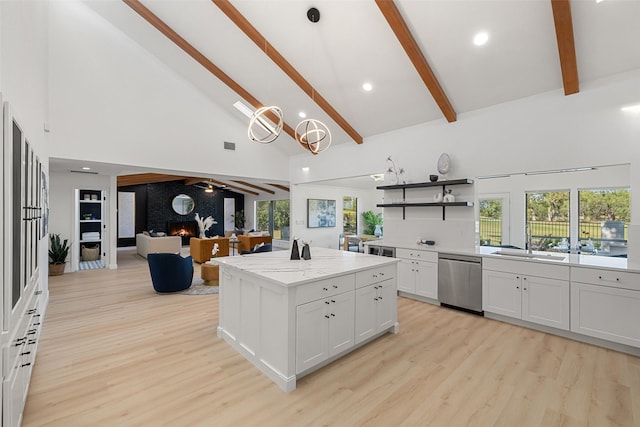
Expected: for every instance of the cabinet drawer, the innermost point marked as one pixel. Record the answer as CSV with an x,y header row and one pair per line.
x,y
611,278
416,254
324,288
527,268
375,275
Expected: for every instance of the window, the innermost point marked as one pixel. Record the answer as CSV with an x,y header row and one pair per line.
x,y
273,216
491,222
547,217
604,215
349,215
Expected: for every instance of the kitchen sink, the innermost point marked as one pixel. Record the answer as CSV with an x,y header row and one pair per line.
x,y
546,257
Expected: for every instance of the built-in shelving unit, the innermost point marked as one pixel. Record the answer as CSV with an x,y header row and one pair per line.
x,y
442,184
90,220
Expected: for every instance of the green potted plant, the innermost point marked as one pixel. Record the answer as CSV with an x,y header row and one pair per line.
x,y
58,252
372,222
239,220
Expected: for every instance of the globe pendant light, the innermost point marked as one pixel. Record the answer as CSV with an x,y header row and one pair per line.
x,y
314,135
259,124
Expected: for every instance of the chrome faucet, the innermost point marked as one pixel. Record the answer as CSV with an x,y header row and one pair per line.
x,y
528,237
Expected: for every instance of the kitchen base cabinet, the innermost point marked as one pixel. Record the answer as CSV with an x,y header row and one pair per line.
x,y
376,309
509,289
606,304
324,328
290,318
418,272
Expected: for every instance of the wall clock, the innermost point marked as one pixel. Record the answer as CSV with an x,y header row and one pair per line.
x,y
444,163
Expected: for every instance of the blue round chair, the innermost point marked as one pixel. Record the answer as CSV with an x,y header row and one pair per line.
x,y
170,272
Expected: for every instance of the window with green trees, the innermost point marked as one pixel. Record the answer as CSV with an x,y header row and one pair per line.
x,y
604,216
273,216
548,219
490,222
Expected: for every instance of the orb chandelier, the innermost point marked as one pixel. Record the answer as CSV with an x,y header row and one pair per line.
x,y
314,135
260,129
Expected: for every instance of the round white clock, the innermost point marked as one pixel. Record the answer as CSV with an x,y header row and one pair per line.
x,y
444,162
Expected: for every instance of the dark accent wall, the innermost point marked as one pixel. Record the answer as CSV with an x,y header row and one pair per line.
x,y
153,207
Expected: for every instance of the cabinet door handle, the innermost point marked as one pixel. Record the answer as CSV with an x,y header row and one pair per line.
x,y
335,286
333,315
382,274
524,278
333,301
327,302
325,289
524,289
327,316
25,364
517,287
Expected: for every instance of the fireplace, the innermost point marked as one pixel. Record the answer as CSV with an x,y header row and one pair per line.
x,y
184,229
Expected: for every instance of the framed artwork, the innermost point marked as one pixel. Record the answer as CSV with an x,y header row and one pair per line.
x,y
321,213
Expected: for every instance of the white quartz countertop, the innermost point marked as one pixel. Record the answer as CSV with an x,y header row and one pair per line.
x,y
575,260
324,263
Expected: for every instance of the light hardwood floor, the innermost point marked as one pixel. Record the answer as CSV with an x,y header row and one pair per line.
x,y
115,353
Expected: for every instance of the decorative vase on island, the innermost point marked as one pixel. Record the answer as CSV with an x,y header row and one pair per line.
x,y
378,231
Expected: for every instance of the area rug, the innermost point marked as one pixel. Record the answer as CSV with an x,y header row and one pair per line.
x,y
199,288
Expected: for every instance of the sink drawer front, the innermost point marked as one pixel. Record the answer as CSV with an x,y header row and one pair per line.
x,y
324,288
375,275
614,279
418,255
528,268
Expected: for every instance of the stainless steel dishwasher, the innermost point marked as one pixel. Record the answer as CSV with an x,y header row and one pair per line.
x,y
460,282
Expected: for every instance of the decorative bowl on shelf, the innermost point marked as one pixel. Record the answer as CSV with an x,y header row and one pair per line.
x,y
433,178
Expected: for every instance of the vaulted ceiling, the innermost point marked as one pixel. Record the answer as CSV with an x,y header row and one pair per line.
x,y
417,55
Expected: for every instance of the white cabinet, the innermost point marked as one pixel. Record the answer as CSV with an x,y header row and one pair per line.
x,y
510,289
376,309
606,304
324,328
418,272
376,302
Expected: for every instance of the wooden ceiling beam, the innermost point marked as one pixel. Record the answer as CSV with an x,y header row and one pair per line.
x,y
281,187
146,178
235,187
566,45
194,53
243,24
401,30
257,187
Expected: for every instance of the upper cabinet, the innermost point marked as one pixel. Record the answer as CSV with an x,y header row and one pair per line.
x,y
440,199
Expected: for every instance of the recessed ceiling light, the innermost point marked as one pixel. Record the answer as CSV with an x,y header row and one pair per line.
x,y
377,177
367,86
86,168
305,169
599,1
480,39
302,114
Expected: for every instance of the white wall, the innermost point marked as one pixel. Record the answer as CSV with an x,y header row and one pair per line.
x,y
326,237
548,131
114,102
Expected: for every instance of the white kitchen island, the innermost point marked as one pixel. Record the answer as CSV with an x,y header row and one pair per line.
x,y
290,318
